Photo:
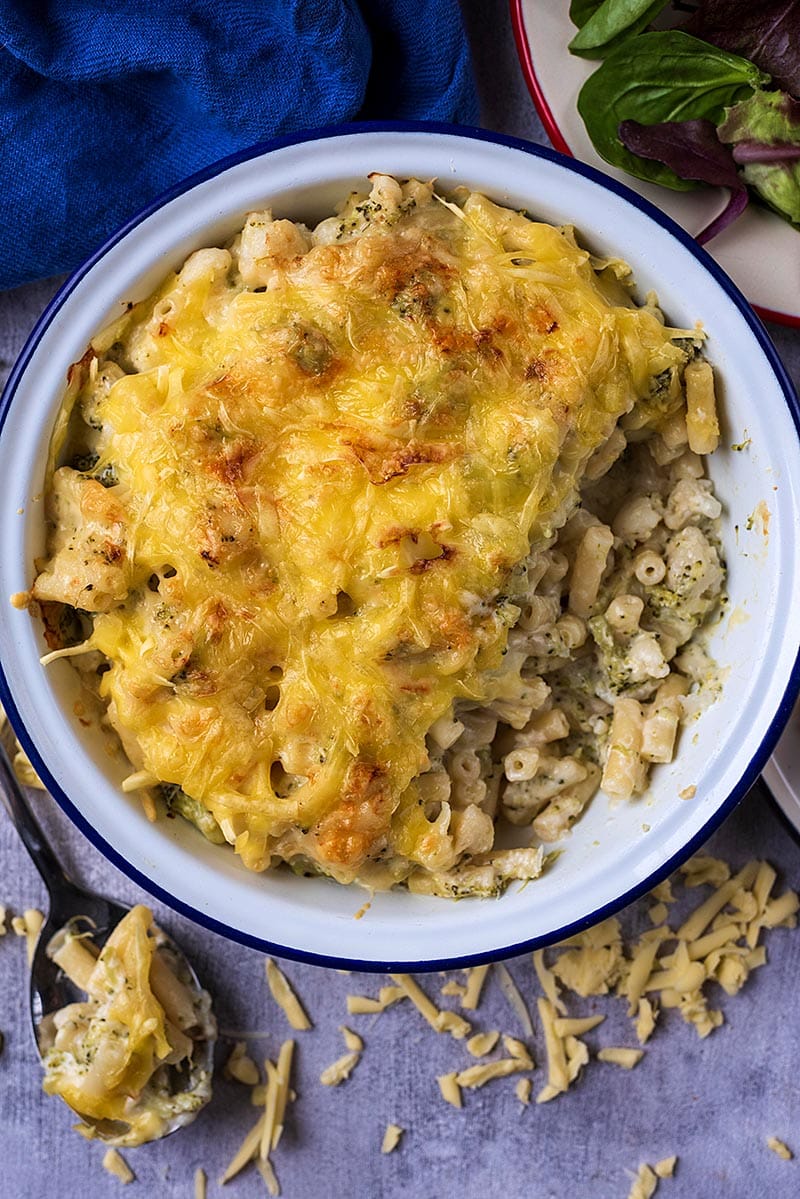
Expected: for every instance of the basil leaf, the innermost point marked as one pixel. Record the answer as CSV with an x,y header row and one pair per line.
x,y
766,32
581,10
656,77
612,23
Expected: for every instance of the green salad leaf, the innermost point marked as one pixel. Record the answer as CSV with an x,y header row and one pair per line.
x,y
656,77
764,132
581,10
610,24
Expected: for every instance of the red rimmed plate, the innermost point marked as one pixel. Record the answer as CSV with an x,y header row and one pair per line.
x,y
760,252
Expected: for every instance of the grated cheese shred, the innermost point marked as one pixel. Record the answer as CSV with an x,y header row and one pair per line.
x,y
645,1184
351,1039
241,1067
391,1138
626,1058
340,1070
440,1021
285,997
482,1043
28,925
576,1027
557,1074
478,1075
476,977
666,1167
115,1163
363,1005
780,1148
450,1089
263,1137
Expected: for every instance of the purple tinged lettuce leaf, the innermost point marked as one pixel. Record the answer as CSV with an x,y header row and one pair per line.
x,y
764,134
752,151
765,31
693,150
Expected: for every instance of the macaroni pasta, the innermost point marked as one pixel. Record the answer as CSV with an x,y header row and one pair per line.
x,y
373,535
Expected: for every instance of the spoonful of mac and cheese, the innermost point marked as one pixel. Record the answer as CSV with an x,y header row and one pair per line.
x,y
125,1031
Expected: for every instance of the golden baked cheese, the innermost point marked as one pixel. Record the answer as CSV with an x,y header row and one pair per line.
x,y
308,469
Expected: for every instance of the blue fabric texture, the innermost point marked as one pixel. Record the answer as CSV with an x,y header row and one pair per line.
x,y
103,106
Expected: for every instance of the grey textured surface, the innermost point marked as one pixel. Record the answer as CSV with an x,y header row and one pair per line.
x,y
712,1102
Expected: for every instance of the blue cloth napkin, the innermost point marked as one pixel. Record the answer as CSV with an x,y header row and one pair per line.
x,y
104,105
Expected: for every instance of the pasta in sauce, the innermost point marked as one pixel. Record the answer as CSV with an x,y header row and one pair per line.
x,y
374,535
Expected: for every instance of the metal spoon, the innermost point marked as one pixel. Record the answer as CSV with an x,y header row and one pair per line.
x,y
51,990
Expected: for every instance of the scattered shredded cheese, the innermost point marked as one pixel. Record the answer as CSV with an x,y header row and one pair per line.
x,y
340,1070
627,1058
285,997
451,1091
241,1067
640,969
391,1138
284,1071
557,1076
268,1174
2,920
717,941
245,1153
270,1110
703,869
666,1167
517,1050
28,925
663,892
478,1075
441,1021
594,960
115,1163
701,917
362,1005
576,1027
351,1039
645,1020
476,977
200,1183
482,1043
266,1132
577,1057
645,1184
547,982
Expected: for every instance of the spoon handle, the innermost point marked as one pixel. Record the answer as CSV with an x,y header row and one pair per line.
x,y
26,824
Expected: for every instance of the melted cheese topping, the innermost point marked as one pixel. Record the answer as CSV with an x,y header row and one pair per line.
x,y
321,487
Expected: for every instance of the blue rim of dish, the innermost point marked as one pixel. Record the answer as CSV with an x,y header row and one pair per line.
x,y
777,723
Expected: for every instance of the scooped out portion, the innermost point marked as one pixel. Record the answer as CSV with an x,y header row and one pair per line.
x,y
113,1057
